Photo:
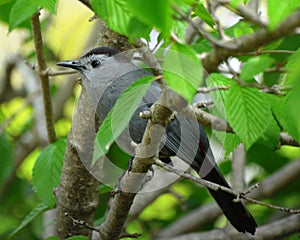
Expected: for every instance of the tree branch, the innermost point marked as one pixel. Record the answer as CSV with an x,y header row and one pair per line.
x,y
249,42
131,183
209,212
77,194
38,42
238,168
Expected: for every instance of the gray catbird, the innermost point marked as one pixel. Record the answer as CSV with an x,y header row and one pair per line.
x,y
106,73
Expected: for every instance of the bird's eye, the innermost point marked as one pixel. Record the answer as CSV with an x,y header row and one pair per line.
x,y
95,63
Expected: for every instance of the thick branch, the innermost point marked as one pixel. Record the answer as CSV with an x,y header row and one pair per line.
x,y
238,168
77,195
38,42
132,183
250,42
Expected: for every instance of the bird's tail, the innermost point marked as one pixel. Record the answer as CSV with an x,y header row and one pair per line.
x,y
235,212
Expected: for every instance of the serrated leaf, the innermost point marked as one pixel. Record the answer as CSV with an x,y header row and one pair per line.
x,y
292,103
115,13
183,71
119,117
179,28
255,66
219,97
219,80
271,136
229,140
31,216
152,13
279,10
280,107
47,170
21,10
248,113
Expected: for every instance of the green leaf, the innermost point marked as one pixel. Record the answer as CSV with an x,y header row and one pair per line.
x,y
137,29
229,140
32,215
4,2
280,107
115,13
255,66
183,71
204,15
248,113
179,28
119,117
219,80
271,136
293,61
153,13
47,170
219,97
293,103
236,3
52,238
279,10
21,10
47,4
78,238
243,29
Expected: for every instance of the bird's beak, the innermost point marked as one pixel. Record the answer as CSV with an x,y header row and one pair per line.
x,y
71,64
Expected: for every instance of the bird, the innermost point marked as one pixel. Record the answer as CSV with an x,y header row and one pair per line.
x,y
106,73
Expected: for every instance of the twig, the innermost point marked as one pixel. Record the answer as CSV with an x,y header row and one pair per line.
x,y
286,139
150,60
244,12
207,213
130,235
279,51
203,104
81,223
201,31
85,224
212,7
279,208
216,187
50,73
212,89
38,42
251,188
